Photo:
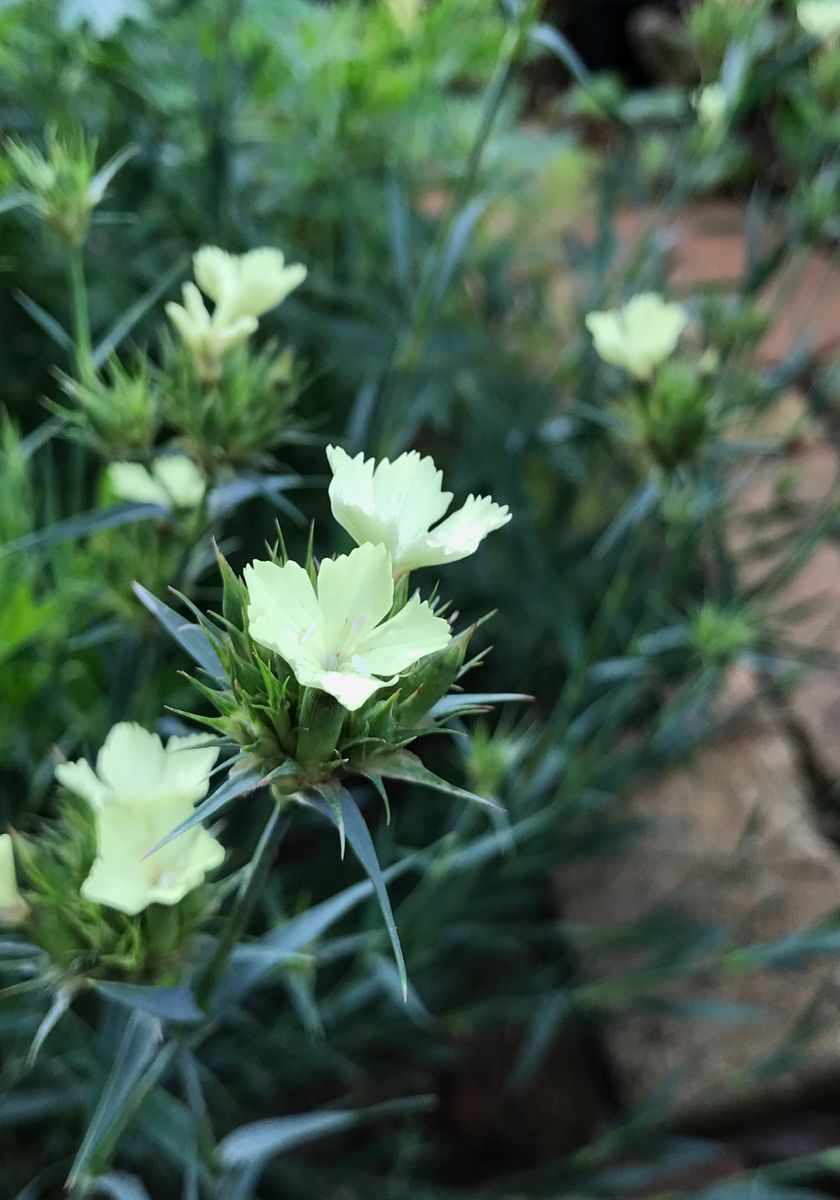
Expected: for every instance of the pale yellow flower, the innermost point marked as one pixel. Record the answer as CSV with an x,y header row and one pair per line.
x,y
640,336
711,106
338,637
820,18
174,482
243,287
13,907
395,504
139,792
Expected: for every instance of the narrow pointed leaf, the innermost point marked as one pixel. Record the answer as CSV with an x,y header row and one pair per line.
x,y
251,963
263,1139
174,1004
119,1186
238,783
121,328
137,1052
48,323
458,700
407,766
84,525
361,843
190,636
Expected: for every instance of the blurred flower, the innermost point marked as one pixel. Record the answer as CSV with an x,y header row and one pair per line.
x,y
639,336
337,638
396,503
13,907
711,105
139,793
243,287
173,482
405,14
820,18
207,340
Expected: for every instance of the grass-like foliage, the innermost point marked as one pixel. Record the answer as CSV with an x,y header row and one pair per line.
x,y
326,363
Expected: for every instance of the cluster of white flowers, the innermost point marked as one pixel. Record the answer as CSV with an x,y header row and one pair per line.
x,y
338,637
640,336
242,288
342,634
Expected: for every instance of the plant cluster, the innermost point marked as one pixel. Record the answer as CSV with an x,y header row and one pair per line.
x,y
239,602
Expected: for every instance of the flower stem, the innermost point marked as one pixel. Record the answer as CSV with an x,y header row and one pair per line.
x,y
413,343
81,316
254,877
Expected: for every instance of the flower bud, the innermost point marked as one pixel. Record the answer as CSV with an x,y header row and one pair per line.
x,y
431,679
13,907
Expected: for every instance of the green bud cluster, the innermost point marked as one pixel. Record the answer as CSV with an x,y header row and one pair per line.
x,y
718,636
233,420
116,415
301,736
84,939
62,184
675,416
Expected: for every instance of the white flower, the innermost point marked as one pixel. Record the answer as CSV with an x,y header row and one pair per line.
x,y
820,18
711,106
139,793
640,336
173,482
337,639
207,339
243,287
13,907
397,503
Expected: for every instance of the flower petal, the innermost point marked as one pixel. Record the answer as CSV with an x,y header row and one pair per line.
x,y
131,481
283,610
397,643
355,591
411,488
109,883
215,271
351,500
189,762
349,689
180,479
132,761
80,779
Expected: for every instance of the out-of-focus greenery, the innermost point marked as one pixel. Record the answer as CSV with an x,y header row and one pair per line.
x,y
454,246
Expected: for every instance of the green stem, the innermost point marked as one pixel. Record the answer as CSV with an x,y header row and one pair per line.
x,y
413,342
254,877
81,316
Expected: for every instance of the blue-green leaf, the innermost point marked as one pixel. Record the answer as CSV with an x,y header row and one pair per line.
x,y
137,1064
174,1004
361,843
84,525
189,635
258,1142
407,766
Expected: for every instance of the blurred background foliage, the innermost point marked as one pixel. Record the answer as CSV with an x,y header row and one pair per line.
x,y
455,180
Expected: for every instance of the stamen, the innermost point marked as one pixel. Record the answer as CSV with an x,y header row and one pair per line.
x,y
309,635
